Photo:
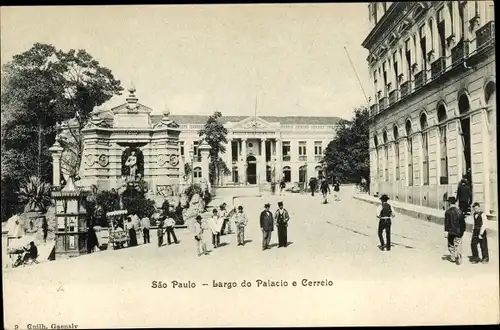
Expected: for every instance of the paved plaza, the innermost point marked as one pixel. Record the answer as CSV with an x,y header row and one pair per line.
x,y
333,250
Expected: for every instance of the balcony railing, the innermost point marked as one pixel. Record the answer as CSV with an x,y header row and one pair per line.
x,y
318,158
302,158
286,158
374,109
438,67
485,34
420,79
460,51
405,88
382,103
393,96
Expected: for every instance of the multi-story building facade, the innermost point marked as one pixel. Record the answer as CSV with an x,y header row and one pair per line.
x,y
433,100
262,149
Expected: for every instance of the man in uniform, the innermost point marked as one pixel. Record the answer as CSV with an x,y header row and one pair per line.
x,y
282,217
454,228
385,213
266,225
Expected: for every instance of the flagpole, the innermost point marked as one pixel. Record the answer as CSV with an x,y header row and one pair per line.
x,y
359,81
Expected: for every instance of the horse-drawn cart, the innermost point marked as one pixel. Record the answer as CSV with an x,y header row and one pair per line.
x,y
118,236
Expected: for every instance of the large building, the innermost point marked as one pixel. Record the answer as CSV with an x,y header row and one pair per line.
x,y
433,102
262,149
129,143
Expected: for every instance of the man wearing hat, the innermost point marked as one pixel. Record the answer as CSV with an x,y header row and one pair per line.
x,y
454,228
201,246
266,225
241,221
282,217
385,213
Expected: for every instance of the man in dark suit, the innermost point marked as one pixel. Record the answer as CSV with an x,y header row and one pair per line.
x,y
282,217
454,228
464,196
267,226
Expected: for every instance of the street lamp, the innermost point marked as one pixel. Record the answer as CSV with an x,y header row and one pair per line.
x,y
191,156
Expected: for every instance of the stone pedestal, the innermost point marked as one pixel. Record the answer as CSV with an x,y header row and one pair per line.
x,y
56,151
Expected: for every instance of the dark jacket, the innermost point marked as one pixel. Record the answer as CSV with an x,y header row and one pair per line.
x,y
464,194
282,219
266,221
454,221
325,187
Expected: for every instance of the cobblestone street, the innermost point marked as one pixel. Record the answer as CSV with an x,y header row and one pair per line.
x,y
336,242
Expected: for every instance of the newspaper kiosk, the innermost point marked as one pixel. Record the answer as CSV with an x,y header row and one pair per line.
x,y
118,236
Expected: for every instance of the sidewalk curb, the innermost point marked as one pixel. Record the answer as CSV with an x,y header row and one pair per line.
x,y
421,215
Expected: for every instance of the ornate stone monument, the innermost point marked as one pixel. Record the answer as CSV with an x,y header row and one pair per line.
x,y
123,146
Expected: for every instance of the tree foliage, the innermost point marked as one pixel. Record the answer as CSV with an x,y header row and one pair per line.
x,y
215,135
42,87
347,155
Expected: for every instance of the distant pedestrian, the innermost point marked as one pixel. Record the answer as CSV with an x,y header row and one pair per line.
x,y
45,229
160,233
282,186
336,191
282,217
313,182
169,229
454,227
479,236
131,232
201,246
385,214
325,189
267,226
145,224
241,221
216,226
92,242
464,196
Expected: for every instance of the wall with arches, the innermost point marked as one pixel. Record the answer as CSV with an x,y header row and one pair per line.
x,y
441,106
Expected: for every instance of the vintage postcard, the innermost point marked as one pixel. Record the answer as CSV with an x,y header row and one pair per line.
x,y
241,165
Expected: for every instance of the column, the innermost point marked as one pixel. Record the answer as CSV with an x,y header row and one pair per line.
x,y
279,161
402,60
418,52
56,151
263,170
311,162
457,30
243,160
229,158
485,137
205,154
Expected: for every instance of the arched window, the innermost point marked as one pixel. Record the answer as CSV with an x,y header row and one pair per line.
x,y
425,149
463,104
490,92
379,171
409,161
319,171
396,150
287,174
386,155
443,146
197,172
303,173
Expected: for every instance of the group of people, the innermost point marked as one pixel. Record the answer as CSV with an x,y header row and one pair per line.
x,y
220,224
454,227
324,187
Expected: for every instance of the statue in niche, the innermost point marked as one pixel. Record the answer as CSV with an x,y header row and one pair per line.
x,y
132,164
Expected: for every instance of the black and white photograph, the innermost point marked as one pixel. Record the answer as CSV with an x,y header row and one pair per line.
x,y
249,165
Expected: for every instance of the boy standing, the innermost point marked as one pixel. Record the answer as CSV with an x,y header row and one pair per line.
x,y
160,233
216,226
479,236
385,214
241,221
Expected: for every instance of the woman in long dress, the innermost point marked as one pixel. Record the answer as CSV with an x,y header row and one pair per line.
x,y
131,233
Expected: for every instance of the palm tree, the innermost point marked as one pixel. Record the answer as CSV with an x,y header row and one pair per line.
x,y
35,194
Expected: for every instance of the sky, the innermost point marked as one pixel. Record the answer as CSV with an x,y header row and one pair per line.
x,y
195,59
